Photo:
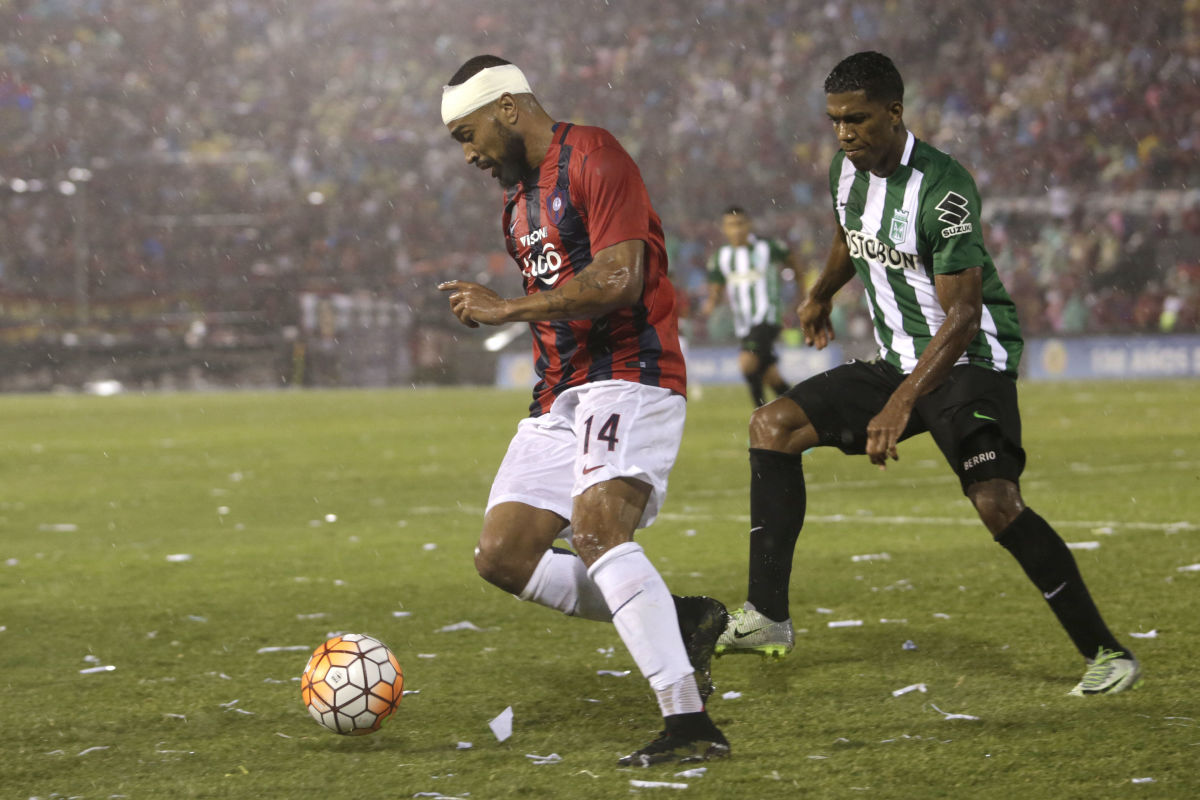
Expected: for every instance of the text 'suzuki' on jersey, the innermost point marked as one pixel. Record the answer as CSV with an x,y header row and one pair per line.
x,y
588,196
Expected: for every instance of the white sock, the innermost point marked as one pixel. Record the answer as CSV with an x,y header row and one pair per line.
x,y
561,581
644,613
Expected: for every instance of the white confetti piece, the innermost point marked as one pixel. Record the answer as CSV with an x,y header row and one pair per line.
x,y
538,761
731,695
179,558
426,655
502,724
872,557
399,614
58,527
91,659
230,704
97,670
915,687
463,746
459,626
909,644
1189,568
886,621
845,623
331,517
824,610
946,715
317,615
616,673
1147,635
1142,780
657,785
175,716
222,510
407,692
12,562
940,615
288,648
1105,530
93,749
196,618
1083,545
429,546
697,772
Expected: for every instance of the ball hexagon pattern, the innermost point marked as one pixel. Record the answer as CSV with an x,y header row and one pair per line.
x,y
352,683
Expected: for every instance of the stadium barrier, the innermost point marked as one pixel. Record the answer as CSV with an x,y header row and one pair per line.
x,y
1086,358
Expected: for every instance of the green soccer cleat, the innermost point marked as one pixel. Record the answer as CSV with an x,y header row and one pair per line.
x,y
749,631
1108,673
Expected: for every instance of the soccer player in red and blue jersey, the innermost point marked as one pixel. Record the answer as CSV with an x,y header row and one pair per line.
x,y
591,462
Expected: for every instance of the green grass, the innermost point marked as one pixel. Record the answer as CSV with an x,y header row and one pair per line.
x,y
97,492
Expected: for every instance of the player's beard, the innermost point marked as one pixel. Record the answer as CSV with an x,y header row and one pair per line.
x,y
514,164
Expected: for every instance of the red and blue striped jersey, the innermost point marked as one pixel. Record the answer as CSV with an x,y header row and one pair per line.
x,y
589,195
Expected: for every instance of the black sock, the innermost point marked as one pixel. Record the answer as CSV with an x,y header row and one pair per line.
x,y
777,500
1048,562
755,382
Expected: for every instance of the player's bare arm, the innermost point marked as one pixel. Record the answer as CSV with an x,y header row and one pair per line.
x,y
613,280
815,310
961,297
715,290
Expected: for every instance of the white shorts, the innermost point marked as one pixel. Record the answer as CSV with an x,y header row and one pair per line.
x,y
593,433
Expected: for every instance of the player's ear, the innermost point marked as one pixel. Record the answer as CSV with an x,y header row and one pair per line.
x,y
896,111
507,109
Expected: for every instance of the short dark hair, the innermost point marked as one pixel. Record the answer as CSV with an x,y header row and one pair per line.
x,y
474,66
736,210
870,72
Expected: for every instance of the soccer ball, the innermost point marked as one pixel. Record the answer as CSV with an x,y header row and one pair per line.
x,y
352,683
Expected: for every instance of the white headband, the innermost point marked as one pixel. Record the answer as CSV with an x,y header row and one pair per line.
x,y
482,88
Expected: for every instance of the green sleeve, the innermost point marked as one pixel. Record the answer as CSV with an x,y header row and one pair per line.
x,y
951,222
713,270
779,251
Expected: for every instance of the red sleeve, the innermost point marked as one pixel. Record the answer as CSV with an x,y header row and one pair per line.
x,y
614,198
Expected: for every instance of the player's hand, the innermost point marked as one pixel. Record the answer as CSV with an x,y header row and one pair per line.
x,y
885,429
474,304
814,323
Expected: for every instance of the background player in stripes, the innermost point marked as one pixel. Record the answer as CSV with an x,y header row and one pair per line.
x,y
908,224
592,460
746,269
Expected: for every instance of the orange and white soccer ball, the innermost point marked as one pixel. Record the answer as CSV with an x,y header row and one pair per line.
x,y
352,683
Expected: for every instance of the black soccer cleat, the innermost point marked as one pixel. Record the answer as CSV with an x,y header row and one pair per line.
x,y
701,621
687,739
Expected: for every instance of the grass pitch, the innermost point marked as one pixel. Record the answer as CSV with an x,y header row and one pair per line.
x,y
290,516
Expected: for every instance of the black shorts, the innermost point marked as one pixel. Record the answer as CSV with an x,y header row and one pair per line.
x,y
761,341
973,416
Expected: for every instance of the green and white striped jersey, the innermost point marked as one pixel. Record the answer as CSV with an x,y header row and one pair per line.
x,y
922,220
750,275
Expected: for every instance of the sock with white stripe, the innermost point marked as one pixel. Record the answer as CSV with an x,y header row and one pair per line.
x,y
1048,562
644,613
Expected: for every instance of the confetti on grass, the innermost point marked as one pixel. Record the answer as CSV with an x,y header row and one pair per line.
x,y
946,715
502,725
916,687
657,785
291,648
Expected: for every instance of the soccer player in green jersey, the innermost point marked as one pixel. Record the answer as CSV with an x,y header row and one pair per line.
x,y
908,224
746,269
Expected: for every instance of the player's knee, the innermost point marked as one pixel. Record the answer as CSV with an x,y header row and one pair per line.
x,y
997,501
772,425
496,567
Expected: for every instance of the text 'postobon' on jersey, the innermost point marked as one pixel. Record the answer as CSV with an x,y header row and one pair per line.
x,y
589,195
750,275
922,220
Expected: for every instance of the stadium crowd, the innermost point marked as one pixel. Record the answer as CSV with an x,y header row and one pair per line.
x,y
224,156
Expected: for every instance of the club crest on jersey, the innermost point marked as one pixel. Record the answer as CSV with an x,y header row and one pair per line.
x,y
556,205
899,229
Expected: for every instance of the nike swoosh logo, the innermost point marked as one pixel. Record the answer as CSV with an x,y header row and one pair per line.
x,y
977,415
1051,594
586,470
741,635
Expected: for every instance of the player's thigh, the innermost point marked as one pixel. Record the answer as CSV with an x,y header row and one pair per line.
x,y
975,420
512,542
630,431
840,402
